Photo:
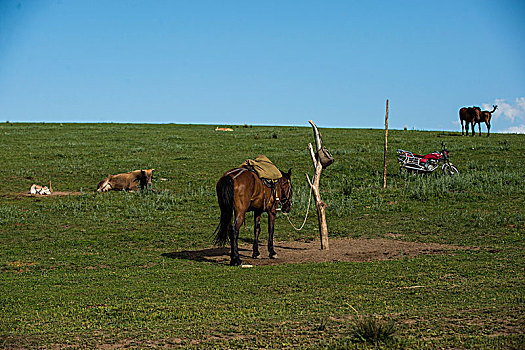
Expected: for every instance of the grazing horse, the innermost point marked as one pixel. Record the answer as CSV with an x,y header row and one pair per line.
x,y
469,115
240,190
484,117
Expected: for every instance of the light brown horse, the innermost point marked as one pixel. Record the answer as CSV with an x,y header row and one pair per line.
x,y
469,115
129,181
484,117
240,190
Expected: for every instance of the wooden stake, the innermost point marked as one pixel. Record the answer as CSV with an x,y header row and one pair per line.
x,y
314,184
386,144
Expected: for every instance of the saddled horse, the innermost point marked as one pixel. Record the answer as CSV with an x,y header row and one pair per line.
x,y
240,190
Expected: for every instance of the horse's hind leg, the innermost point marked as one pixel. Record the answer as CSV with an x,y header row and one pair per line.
x,y
256,232
488,128
271,222
234,236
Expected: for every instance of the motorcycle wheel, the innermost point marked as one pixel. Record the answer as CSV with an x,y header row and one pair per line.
x,y
449,169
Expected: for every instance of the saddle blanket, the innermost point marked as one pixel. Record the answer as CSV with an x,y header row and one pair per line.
x,y
264,168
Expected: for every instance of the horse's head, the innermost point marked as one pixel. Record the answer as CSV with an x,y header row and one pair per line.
x,y
286,191
146,177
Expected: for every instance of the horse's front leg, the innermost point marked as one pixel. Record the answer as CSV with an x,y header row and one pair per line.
x,y
234,236
271,223
256,232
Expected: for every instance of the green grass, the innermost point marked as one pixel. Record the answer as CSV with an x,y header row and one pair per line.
x,y
93,269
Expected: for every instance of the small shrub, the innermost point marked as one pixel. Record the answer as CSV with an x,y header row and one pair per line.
x,y
371,329
366,329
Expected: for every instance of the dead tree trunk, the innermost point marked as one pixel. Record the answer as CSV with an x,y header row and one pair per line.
x,y
386,145
319,204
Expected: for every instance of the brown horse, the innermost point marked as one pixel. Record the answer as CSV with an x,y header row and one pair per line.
x,y
484,117
240,190
469,115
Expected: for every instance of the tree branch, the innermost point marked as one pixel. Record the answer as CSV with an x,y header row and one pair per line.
x,y
317,135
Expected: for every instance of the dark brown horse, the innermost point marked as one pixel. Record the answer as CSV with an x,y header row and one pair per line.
x,y
240,190
484,117
469,115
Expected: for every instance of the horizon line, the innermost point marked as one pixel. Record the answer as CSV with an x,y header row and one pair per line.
x,y
245,125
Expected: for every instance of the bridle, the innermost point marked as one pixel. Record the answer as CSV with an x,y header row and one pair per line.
x,y
285,196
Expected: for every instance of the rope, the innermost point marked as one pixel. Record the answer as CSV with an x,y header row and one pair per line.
x,y
305,217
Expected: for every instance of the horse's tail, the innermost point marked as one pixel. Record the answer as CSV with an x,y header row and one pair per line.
x,y
225,197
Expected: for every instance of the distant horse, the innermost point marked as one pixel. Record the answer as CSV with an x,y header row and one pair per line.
x,y
484,117
469,115
240,190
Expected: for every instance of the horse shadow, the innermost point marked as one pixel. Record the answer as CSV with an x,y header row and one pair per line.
x,y
221,255
205,255
202,255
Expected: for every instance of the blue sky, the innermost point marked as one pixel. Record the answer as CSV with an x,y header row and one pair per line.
x,y
263,62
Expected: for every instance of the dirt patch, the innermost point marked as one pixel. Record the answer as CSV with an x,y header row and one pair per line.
x,y
341,249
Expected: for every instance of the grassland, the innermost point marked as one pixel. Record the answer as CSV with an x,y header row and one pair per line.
x,y
93,270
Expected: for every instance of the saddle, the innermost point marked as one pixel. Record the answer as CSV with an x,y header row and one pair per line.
x,y
264,168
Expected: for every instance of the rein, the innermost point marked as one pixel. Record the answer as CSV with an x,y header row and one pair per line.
x,y
305,217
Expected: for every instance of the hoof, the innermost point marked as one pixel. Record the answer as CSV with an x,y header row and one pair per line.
x,y
256,255
274,256
236,262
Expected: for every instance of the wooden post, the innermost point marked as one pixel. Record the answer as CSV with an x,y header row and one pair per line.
x,y
386,144
319,204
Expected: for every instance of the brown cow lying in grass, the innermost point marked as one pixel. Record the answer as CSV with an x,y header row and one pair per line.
x,y
127,181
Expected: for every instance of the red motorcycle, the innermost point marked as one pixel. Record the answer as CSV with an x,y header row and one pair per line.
x,y
426,163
